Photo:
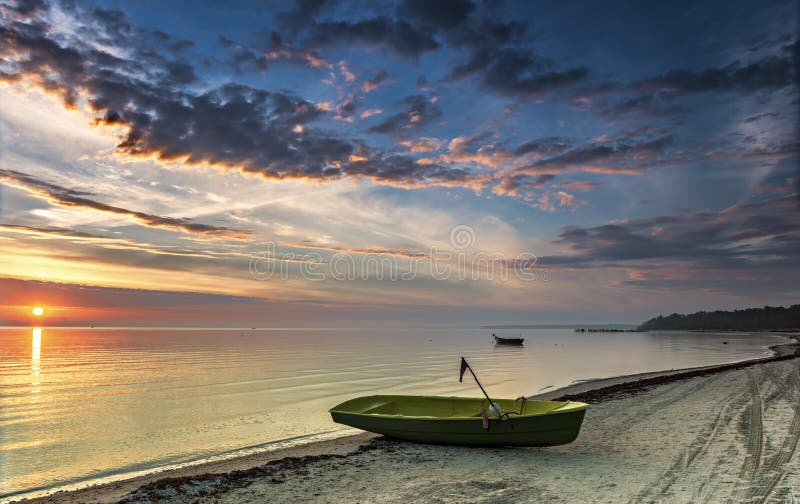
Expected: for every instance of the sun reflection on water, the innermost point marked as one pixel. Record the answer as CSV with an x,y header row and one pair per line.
x,y
36,356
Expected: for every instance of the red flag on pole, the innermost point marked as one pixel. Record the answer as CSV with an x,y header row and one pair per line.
x,y
463,369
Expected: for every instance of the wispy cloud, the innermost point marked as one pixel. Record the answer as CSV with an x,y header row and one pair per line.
x,y
58,195
358,250
615,158
112,242
371,112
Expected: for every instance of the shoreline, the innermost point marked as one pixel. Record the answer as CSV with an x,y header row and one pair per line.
x,y
297,458
623,386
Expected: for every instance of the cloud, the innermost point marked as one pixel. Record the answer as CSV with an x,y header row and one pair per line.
x,y
483,33
511,73
577,185
54,231
791,184
544,203
371,112
514,71
654,96
346,110
393,31
543,146
771,72
303,11
423,144
620,158
773,151
422,84
524,186
516,185
23,9
496,48
405,172
629,154
445,14
568,200
373,83
755,242
400,36
112,242
62,196
419,111
654,105
180,73
233,126
356,250
246,58
473,149
346,73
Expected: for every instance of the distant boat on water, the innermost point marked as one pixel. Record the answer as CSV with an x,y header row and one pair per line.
x,y
507,341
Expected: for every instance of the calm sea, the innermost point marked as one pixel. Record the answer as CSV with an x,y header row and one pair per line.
x,y
85,405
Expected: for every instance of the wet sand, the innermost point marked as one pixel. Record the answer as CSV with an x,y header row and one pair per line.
x,y
712,434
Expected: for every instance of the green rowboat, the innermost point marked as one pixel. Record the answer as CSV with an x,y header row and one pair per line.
x,y
460,420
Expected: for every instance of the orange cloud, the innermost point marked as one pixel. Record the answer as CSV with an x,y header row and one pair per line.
x,y
423,144
461,150
346,73
577,185
371,112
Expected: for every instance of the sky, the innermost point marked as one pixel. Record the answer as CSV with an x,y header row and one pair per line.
x,y
412,162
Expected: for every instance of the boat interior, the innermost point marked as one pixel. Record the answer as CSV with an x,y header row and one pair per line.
x,y
447,407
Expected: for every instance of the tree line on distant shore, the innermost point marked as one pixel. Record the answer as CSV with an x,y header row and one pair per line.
x,y
754,319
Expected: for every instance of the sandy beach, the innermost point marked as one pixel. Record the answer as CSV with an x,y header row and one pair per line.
x,y
716,434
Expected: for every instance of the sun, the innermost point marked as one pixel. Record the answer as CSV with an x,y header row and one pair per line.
x,y
38,311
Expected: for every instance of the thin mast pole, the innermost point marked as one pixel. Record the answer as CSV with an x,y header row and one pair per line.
x,y
481,386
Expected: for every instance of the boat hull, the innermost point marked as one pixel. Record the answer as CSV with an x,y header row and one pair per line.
x,y
459,420
508,341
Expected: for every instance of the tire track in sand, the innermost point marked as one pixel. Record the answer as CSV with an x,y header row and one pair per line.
x,y
710,484
773,471
698,446
672,392
783,386
755,433
678,395
755,441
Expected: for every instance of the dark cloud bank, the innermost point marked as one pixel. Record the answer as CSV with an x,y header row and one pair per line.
x,y
755,245
152,90
233,125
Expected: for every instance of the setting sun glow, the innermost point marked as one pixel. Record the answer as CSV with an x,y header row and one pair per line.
x,y
38,311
